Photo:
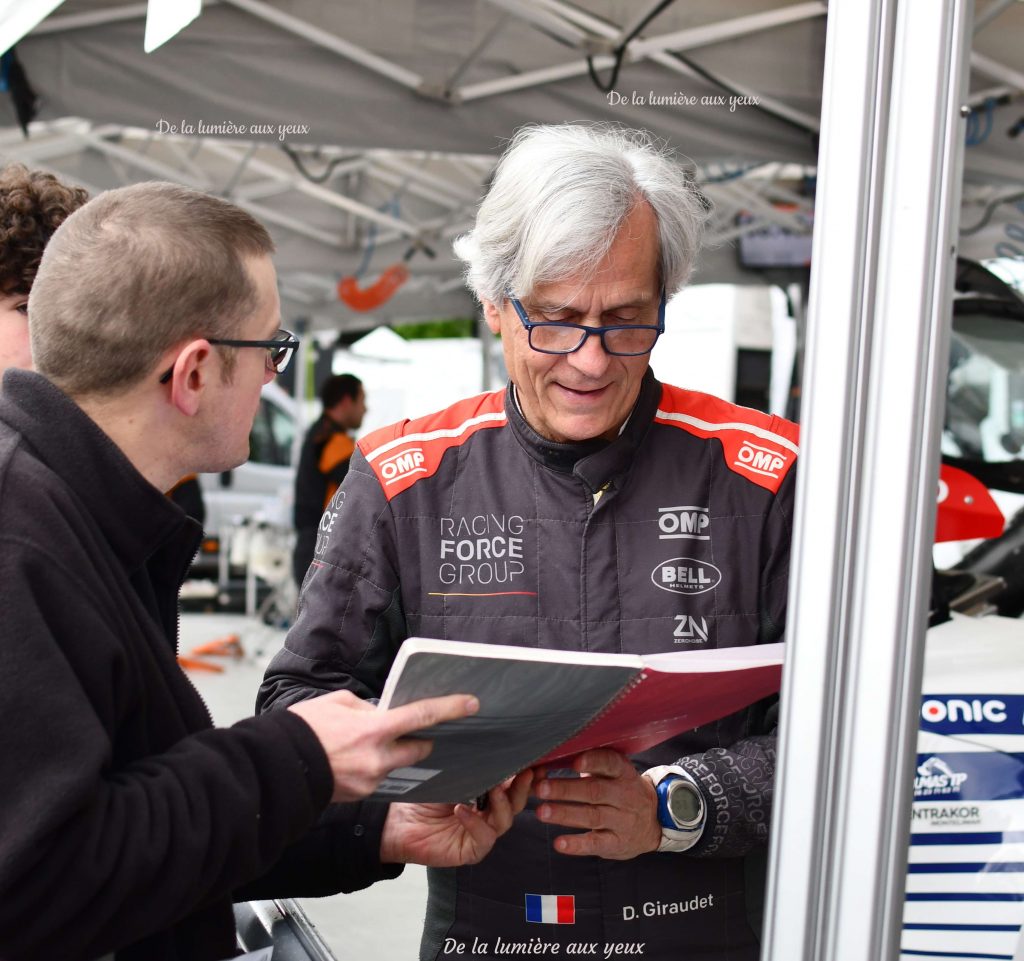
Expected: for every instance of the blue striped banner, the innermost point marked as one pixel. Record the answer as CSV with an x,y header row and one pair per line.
x,y
973,713
961,927
964,896
969,837
976,776
966,867
957,954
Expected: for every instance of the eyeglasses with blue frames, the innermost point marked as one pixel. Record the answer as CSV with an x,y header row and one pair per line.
x,y
279,350
622,340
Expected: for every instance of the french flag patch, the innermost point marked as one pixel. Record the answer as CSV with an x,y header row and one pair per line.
x,y
551,908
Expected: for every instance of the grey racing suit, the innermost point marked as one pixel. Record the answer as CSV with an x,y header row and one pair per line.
x,y
674,536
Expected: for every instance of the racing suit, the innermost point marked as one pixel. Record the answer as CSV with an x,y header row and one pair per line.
x,y
469,525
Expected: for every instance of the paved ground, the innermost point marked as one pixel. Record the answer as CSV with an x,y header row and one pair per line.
x,y
381,923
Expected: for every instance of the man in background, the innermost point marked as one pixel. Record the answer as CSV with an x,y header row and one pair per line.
x,y
324,460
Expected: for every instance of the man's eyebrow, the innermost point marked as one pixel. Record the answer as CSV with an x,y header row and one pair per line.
x,y
641,300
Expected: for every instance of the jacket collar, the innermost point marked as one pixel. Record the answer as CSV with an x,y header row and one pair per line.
x,y
136,519
597,461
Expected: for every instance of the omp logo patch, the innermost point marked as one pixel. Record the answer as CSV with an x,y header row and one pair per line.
x,y
685,575
759,448
399,466
684,523
760,460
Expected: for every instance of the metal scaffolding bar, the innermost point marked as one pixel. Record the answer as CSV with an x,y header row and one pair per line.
x,y
264,11
711,33
879,318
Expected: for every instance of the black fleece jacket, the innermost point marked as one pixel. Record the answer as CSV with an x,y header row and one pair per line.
x,y
127,823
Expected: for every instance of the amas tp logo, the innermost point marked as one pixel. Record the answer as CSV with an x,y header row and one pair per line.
x,y
935,778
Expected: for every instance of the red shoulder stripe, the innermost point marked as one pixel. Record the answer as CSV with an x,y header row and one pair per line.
x,y
410,450
760,447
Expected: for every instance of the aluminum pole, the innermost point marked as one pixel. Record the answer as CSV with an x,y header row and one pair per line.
x,y
879,309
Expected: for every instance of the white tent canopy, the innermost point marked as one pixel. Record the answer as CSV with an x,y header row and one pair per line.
x,y
393,112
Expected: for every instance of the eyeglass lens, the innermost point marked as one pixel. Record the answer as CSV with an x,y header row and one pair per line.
x,y
280,356
619,340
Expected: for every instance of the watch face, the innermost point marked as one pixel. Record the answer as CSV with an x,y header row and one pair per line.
x,y
683,803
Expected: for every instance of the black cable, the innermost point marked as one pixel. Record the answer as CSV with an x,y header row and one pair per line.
x,y
989,210
620,53
620,50
296,159
729,88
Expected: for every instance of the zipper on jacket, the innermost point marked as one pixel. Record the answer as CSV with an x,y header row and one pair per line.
x,y
177,636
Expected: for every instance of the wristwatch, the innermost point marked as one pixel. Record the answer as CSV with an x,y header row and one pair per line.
x,y
681,811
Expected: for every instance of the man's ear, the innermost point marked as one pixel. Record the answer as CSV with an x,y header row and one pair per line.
x,y
492,315
191,372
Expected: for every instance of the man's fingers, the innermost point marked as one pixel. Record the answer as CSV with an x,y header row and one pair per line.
x,y
593,843
481,834
426,713
346,699
407,752
519,790
499,810
602,762
593,790
590,816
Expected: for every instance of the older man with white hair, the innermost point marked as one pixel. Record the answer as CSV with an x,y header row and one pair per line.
x,y
585,507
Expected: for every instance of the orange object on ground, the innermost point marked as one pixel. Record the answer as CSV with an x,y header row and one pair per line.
x,y
194,664
230,645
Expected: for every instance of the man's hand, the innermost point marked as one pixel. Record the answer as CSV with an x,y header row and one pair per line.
x,y
446,835
619,807
363,743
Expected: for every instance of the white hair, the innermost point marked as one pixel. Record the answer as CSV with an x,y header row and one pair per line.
x,y
558,198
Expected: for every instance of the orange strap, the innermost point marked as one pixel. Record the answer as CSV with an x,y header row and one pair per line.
x,y
377,293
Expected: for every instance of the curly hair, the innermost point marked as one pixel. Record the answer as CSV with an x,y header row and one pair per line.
x,y
33,205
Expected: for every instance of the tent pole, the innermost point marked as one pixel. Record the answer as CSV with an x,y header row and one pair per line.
x,y
285,21
878,326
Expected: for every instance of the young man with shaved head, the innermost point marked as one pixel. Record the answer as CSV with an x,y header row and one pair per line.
x,y
129,823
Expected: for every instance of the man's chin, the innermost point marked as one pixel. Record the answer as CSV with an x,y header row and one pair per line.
x,y
576,430
224,463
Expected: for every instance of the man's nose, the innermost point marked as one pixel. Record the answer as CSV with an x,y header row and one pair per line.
x,y
591,358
